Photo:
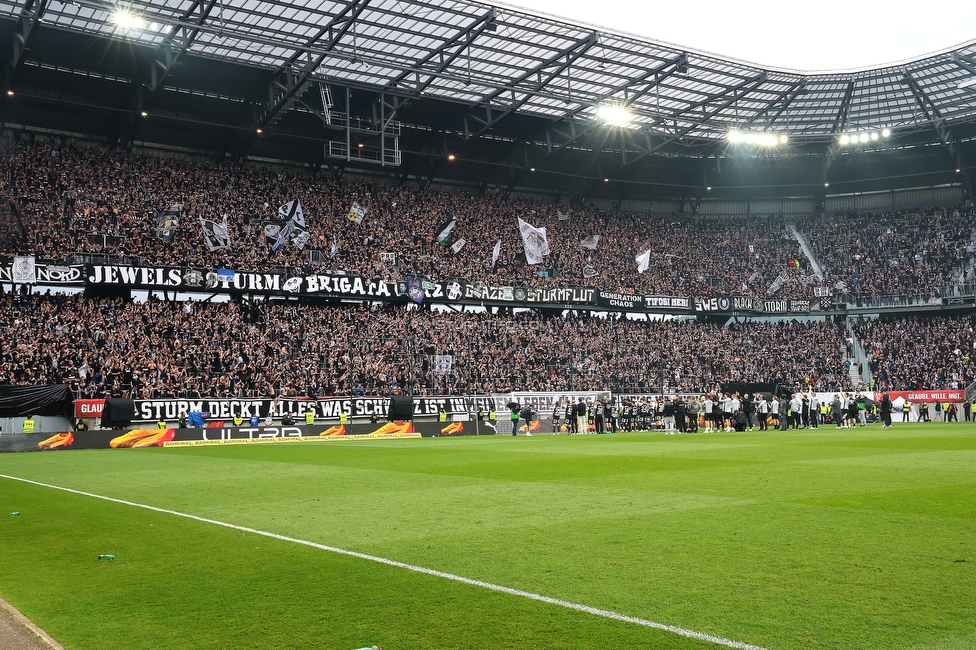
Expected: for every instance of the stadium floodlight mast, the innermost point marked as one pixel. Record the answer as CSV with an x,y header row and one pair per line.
x,y
759,139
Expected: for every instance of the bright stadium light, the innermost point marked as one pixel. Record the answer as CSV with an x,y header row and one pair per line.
x,y
863,137
614,115
758,139
127,21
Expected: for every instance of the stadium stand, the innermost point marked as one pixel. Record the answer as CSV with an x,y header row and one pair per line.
x,y
91,200
911,353
169,349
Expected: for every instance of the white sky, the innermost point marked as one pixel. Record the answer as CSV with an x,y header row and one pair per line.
x,y
810,35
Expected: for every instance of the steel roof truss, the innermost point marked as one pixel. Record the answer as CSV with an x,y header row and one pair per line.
x,y
465,37
564,59
174,46
31,15
844,111
292,77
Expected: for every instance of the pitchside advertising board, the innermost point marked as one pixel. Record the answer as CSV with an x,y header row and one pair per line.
x,y
227,435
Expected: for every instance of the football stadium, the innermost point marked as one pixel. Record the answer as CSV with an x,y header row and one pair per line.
x,y
446,325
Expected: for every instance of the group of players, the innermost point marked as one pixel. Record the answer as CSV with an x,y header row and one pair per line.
x,y
713,412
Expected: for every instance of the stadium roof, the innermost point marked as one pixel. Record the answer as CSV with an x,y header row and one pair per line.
x,y
515,75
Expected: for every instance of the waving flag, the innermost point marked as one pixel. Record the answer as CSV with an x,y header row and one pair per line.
x,y
535,240
643,261
443,231
216,235
356,213
590,242
168,222
289,227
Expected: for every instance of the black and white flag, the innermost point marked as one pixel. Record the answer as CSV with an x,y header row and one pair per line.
x,y
288,227
217,235
590,272
777,283
168,222
535,240
591,242
495,252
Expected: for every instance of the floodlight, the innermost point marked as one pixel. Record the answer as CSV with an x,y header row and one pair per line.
x,y
614,115
874,136
127,21
783,139
885,133
845,139
863,137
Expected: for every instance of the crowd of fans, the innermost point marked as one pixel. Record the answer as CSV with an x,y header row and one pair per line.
x,y
917,253
911,353
94,200
199,349
91,199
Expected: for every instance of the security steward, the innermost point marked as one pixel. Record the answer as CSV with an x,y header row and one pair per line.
x,y
238,420
441,415
343,418
492,416
309,418
29,424
161,424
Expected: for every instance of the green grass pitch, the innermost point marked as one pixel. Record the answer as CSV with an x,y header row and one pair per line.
x,y
811,539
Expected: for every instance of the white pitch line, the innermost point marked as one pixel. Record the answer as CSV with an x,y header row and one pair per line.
x,y
701,636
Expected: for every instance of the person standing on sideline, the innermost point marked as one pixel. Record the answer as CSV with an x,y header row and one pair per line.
x,y
814,411
967,411
886,411
514,413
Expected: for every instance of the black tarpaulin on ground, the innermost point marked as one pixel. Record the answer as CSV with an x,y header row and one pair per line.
x,y
118,412
21,401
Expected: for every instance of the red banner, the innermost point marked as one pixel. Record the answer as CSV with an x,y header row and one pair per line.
x,y
916,396
89,408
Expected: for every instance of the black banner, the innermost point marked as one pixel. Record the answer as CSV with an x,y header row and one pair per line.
x,y
452,290
747,303
47,272
153,410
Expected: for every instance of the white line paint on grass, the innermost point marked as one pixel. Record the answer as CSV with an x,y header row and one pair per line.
x,y
701,636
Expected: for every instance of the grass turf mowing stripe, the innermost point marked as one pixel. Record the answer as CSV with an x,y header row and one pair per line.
x,y
700,636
